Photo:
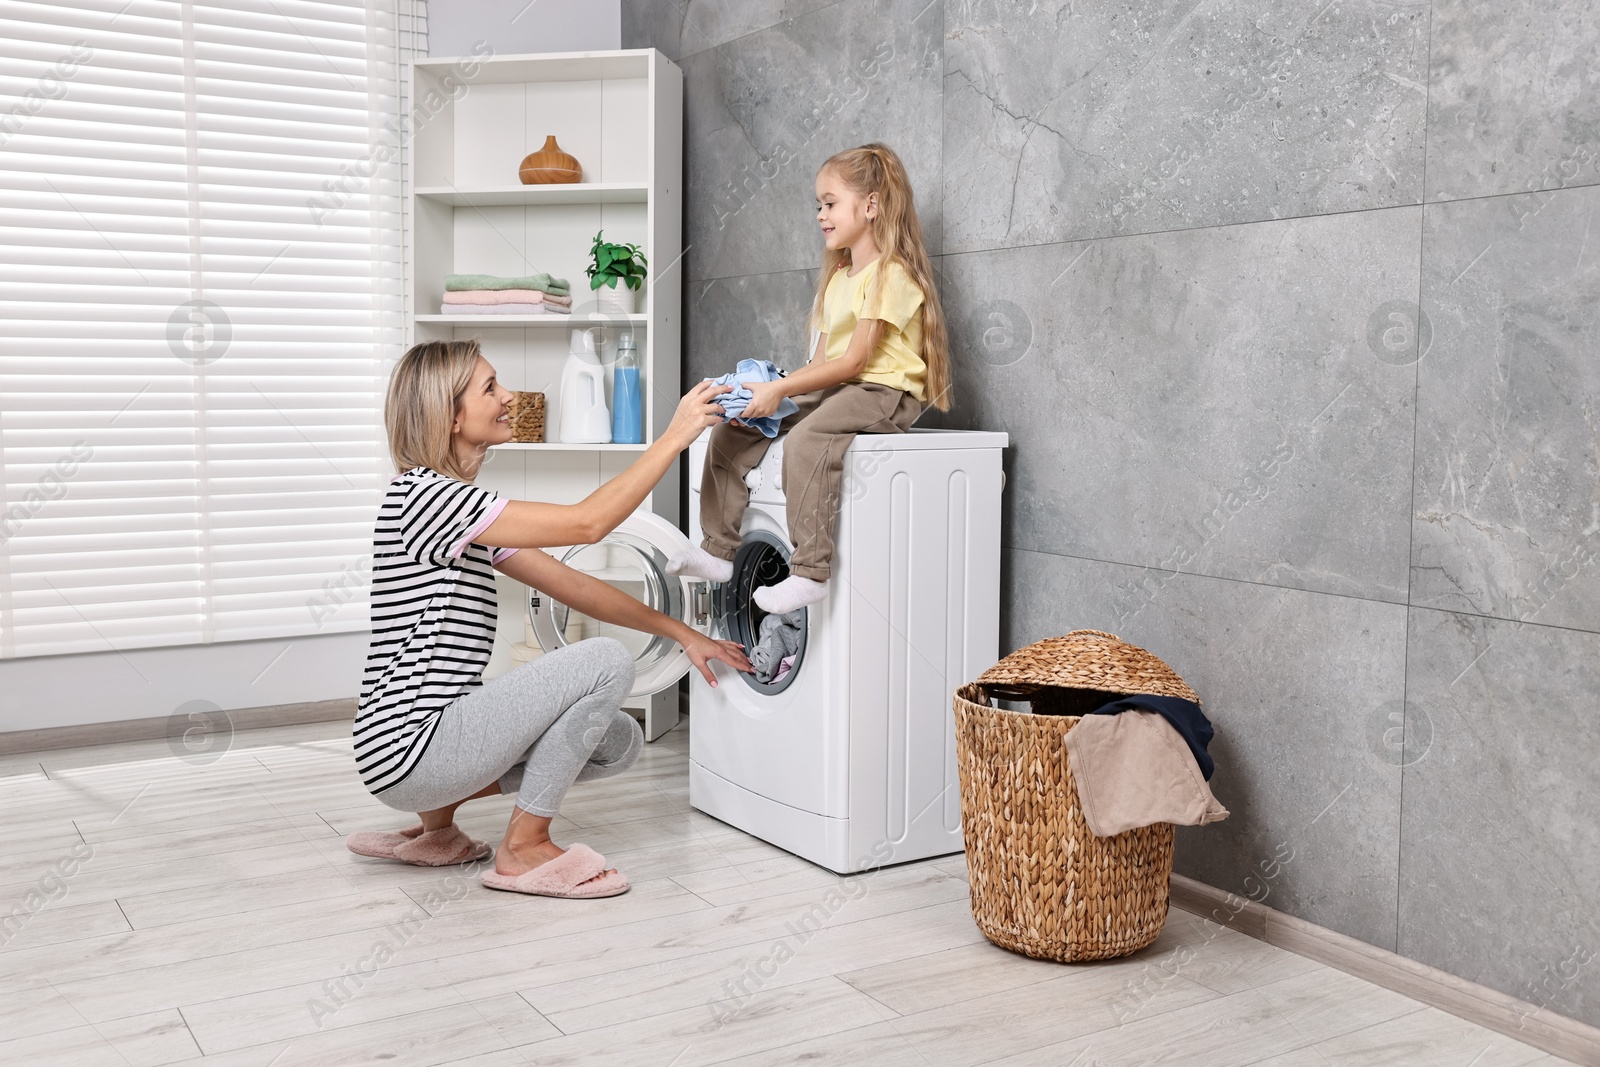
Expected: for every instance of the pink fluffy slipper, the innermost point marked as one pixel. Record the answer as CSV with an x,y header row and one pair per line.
x,y
380,843
436,848
563,877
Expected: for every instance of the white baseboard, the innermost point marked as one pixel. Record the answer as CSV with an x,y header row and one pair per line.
x,y
107,733
1529,1023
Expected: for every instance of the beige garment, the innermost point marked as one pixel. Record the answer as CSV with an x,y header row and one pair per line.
x,y
1133,769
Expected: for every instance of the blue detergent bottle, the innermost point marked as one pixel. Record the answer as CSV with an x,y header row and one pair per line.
x,y
627,410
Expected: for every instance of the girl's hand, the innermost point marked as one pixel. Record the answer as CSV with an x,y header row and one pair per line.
x,y
702,650
696,411
764,400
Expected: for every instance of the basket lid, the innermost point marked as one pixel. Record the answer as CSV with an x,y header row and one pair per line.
x,y
1089,659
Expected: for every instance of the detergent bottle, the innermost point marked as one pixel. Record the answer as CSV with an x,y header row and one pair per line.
x,y
627,410
583,417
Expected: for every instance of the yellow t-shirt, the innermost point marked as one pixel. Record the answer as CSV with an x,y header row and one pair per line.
x,y
897,361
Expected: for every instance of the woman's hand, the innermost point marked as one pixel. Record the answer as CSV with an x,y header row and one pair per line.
x,y
697,410
702,650
764,400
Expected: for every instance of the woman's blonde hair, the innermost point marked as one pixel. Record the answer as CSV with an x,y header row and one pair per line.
x,y
424,394
874,168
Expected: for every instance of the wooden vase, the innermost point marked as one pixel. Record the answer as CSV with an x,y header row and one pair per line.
x,y
551,166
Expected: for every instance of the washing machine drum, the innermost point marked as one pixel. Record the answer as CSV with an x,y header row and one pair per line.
x,y
633,558
762,559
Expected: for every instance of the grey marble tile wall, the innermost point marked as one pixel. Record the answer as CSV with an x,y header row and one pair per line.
x,y
1500,854
1086,120
763,109
1507,520
1292,312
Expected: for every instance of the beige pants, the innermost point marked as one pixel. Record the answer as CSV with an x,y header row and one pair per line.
x,y
813,464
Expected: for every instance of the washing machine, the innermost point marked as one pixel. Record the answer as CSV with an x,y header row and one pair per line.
x,y
848,760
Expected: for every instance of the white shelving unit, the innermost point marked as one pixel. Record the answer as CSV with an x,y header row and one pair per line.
x,y
621,114
539,195
558,322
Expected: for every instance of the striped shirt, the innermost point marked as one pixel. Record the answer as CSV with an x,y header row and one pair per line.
x,y
433,616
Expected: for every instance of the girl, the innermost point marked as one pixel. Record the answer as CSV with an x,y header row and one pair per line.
x,y
429,734
879,329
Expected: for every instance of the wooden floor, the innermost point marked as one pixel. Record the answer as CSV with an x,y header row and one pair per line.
x,y
164,910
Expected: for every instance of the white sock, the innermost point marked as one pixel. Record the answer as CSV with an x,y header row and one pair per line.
x,y
698,563
791,593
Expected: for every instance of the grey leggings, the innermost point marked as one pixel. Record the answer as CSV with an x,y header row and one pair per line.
x,y
536,729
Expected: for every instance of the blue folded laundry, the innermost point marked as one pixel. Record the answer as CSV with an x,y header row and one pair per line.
x,y
733,402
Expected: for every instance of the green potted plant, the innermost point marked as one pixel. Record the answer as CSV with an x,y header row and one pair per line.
x,y
610,263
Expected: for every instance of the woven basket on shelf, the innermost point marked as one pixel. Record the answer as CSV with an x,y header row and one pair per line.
x,y
527,417
1041,883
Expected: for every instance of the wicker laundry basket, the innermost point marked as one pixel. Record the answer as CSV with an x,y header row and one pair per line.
x,y
1041,883
527,417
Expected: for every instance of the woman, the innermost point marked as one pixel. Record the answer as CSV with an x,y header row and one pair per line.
x,y
429,733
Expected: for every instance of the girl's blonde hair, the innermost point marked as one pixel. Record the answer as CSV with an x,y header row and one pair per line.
x,y
424,393
874,168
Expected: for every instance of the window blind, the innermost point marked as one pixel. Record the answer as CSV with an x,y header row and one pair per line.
x,y
201,298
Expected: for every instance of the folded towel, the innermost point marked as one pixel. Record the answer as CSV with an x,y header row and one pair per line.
x,y
495,309
495,296
506,296
455,283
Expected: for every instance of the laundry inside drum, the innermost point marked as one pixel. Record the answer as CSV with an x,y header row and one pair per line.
x,y
762,560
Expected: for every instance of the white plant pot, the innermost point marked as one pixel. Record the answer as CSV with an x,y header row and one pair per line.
x,y
618,301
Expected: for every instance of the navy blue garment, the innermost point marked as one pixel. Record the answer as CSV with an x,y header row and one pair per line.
x,y
1184,715
733,402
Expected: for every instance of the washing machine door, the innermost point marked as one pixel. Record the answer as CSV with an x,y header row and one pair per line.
x,y
633,558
